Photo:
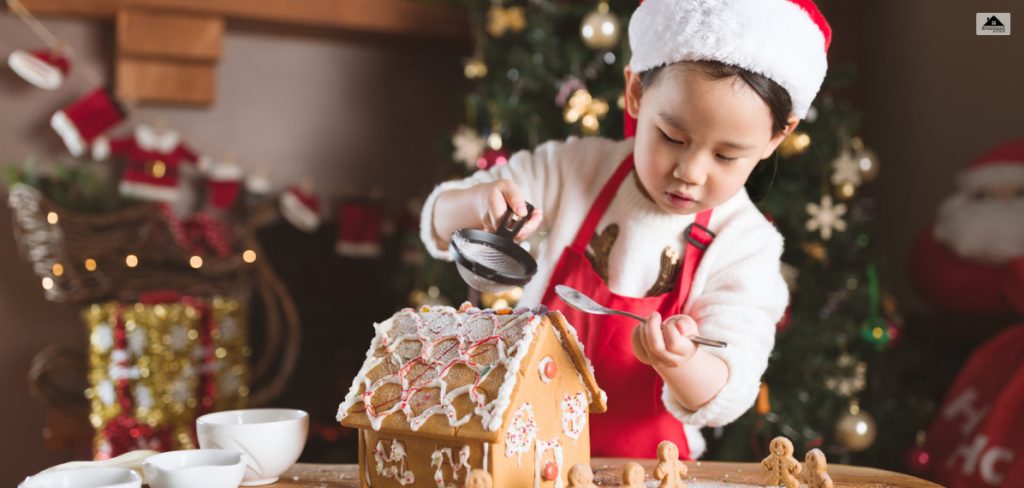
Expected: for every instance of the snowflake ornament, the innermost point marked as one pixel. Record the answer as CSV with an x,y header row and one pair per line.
x,y
846,169
469,146
826,217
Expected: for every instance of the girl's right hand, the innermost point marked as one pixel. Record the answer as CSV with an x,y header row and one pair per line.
x,y
499,196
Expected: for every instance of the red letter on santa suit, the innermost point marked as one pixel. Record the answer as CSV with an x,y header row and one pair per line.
x,y
964,405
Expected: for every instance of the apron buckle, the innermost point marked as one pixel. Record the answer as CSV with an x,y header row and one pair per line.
x,y
688,235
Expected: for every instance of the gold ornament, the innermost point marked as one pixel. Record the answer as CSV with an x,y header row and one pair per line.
x,y
474,68
501,20
794,144
587,110
867,160
856,429
505,299
816,250
846,191
601,28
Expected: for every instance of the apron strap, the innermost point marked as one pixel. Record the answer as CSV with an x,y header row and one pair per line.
x,y
698,237
601,204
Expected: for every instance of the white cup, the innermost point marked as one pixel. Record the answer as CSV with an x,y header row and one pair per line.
x,y
271,438
87,477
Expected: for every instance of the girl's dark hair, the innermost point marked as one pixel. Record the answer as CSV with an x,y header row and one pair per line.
x,y
775,96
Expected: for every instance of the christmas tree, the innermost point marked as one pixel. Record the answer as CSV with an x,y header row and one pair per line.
x,y
838,376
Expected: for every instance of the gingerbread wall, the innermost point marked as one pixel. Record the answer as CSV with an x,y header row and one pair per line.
x,y
545,400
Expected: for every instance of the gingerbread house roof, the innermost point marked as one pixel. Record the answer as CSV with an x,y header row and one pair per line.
x,y
442,372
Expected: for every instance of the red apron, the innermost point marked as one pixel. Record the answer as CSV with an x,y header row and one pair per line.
x,y
636,420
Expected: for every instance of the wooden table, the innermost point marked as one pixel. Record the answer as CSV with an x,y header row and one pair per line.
x,y
607,473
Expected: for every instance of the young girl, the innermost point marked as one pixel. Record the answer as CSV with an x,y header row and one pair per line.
x,y
660,224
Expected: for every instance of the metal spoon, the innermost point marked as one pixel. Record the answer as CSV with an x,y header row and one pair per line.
x,y
583,303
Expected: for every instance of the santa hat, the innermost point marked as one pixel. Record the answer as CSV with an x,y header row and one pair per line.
x,y
301,208
44,68
85,119
1003,164
359,231
784,40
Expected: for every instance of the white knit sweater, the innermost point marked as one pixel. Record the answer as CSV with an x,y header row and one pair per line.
x,y
738,293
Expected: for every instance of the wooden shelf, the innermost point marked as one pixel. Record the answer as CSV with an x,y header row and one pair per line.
x,y
399,17
167,50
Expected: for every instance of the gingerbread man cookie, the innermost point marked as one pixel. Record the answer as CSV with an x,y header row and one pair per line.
x,y
633,475
781,465
670,470
815,475
479,478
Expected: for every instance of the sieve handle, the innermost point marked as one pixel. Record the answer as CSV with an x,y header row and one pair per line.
x,y
511,223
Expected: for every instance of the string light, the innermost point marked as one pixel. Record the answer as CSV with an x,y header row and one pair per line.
x,y
47,283
196,262
90,264
58,269
52,218
131,260
249,256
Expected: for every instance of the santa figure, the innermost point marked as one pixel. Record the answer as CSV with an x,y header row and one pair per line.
x,y
971,261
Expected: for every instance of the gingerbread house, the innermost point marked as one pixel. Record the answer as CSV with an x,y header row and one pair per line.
x,y
444,391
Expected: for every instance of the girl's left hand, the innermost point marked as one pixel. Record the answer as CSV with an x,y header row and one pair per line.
x,y
665,344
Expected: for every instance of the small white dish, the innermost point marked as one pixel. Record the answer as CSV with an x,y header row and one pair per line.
x,y
84,477
209,468
271,438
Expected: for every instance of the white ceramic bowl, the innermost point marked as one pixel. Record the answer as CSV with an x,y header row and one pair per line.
x,y
209,468
90,477
271,438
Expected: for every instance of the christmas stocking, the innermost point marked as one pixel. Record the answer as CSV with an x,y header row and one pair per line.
x,y
359,231
84,120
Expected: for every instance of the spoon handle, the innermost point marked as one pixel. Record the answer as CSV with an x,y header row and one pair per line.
x,y
698,339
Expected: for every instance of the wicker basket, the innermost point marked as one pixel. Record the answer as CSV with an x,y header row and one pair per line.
x,y
80,258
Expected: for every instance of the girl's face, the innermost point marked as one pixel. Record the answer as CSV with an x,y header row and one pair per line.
x,y
697,139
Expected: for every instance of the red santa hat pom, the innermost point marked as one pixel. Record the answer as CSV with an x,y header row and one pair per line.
x,y
44,68
784,40
1002,165
81,122
359,231
301,208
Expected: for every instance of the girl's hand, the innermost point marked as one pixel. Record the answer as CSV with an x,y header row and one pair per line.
x,y
665,344
501,195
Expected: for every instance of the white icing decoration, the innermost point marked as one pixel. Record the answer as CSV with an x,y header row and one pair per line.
x,y
487,453
447,338
397,470
437,461
522,432
540,369
543,446
574,415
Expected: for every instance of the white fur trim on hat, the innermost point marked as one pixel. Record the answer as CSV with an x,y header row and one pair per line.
x,y
775,38
67,131
101,148
992,174
35,70
298,213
